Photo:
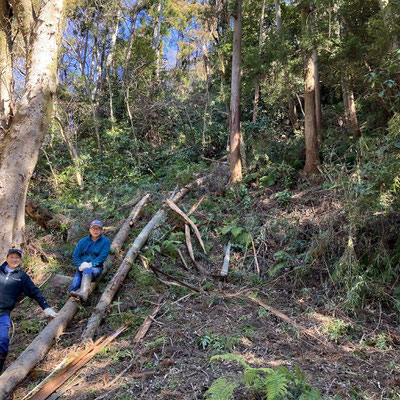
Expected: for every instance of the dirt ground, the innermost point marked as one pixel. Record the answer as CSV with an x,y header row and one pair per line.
x,y
354,357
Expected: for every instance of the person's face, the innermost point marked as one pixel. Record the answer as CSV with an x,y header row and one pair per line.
x,y
95,231
13,260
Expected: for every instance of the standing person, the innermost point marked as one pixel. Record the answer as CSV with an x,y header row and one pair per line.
x,y
14,281
89,256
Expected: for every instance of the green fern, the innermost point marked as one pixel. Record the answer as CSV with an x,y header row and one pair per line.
x,y
221,389
277,385
310,394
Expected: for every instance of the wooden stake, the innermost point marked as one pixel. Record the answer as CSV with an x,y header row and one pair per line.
x,y
225,265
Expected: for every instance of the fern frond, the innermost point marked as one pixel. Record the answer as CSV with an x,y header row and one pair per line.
x,y
221,389
276,384
230,357
310,394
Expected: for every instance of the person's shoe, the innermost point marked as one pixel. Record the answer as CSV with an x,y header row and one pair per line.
x,y
3,357
83,291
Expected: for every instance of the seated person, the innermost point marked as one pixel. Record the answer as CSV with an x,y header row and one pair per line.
x,y
89,256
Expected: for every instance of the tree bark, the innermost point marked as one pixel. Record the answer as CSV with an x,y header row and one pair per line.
x,y
119,276
260,41
234,154
350,112
72,152
157,35
20,150
310,127
318,110
5,68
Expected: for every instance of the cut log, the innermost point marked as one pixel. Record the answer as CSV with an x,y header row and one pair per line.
x,y
35,352
129,222
133,252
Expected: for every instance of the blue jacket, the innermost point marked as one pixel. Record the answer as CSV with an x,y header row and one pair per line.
x,y
13,285
89,251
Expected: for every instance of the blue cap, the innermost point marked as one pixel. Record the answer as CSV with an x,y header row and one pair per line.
x,y
96,222
14,251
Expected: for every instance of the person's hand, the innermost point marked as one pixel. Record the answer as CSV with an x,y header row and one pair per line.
x,y
50,312
85,265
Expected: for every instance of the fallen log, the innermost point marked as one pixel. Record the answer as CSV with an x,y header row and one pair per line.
x,y
39,347
123,233
133,252
44,217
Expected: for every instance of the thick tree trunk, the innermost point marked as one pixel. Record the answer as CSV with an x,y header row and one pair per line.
x,y
119,276
310,128
234,155
278,16
5,68
318,110
21,146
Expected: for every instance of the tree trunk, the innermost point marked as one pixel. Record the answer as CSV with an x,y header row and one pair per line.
x,y
318,110
310,127
157,35
20,150
350,112
73,154
278,16
119,276
234,154
5,68
260,41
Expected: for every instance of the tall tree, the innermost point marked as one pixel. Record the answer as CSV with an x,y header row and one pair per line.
x,y
235,134
24,136
260,42
310,126
5,67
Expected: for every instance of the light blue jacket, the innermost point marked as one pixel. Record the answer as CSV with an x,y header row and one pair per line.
x,y
89,251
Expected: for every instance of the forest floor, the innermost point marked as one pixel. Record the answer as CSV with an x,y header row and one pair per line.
x,y
345,355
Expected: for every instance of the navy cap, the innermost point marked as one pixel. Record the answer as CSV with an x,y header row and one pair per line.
x,y
96,222
14,251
